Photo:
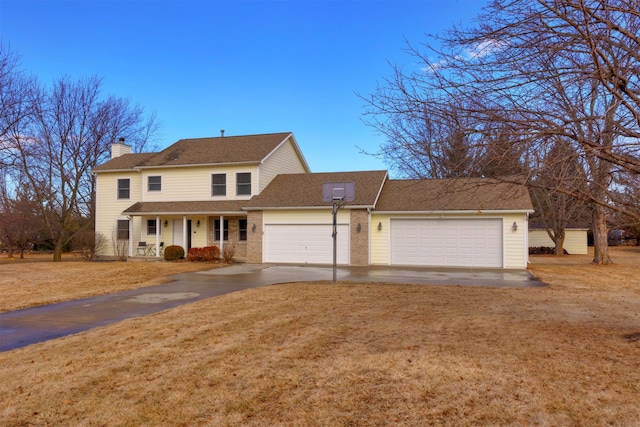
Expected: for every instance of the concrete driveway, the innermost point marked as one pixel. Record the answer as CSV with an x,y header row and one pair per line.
x,y
23,327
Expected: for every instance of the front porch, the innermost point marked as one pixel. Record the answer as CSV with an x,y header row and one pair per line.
x,y
150,235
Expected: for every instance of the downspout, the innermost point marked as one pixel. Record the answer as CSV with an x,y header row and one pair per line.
x,y
141,183
158,231
369,234
526,240
141,199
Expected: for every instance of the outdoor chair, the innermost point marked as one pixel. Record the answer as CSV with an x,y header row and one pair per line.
x,y
161,249
142,248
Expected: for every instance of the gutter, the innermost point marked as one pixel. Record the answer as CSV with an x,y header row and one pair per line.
x,y
280,208
241,213
458,212
201,165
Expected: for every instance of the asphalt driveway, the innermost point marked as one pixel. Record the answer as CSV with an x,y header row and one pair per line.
x,y
23,327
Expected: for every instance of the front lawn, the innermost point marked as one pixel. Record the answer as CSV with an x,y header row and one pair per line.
x,y
324,354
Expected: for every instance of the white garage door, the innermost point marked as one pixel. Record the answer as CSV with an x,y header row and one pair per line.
x,y
447,242
305,243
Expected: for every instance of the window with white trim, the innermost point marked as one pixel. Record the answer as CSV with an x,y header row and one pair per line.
x,y
243,184
219,184
124,188
154,183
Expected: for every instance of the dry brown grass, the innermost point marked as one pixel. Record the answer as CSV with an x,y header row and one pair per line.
x,y
321,354
35,280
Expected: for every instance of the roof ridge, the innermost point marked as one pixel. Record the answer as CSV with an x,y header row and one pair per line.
x,y
232,136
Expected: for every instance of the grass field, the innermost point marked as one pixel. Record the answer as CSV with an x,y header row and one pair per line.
x,y
36,281
348,354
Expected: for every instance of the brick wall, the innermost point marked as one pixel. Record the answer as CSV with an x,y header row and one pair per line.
x,y
254,238
359,240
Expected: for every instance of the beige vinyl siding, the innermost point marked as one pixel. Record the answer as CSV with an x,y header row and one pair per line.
x,y
380,239
199,234
302,216
194,183
515,251
575,240
284,160
109,208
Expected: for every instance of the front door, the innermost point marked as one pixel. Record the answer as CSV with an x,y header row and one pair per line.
x,y
178,234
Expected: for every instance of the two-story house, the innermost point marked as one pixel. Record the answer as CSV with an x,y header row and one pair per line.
x,y
190,194
257,193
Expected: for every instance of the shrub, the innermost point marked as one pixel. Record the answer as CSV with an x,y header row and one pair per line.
x,y
229,252
88,244
173,253
212,253
208,253
120,246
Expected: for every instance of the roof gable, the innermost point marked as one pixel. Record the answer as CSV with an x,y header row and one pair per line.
x,y
463,194
305,190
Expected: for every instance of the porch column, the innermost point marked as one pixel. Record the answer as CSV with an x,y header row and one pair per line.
x,y
221,234
184,234
130,236
158,230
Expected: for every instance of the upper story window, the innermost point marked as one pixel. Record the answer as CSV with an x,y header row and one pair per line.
x,y
243,184
219,184
154,183
124,188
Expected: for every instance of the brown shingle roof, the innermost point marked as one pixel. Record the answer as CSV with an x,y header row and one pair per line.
x,y
200,151
305,190
228,149
452,194
124,162
204,207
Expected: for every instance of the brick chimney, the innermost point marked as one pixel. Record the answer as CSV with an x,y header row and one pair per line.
x,y
119,148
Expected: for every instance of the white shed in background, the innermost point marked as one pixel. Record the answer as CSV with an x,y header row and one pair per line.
x,y
575,240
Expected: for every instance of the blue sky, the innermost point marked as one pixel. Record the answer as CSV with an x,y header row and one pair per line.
x,y
244,66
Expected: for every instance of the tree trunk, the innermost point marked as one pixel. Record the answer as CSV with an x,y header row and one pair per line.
x,y
57,251
559,241
600,231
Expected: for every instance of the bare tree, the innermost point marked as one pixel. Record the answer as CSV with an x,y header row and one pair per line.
x,y
428,143
546,72
16,91
17,98
69,134
558,175
19,221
